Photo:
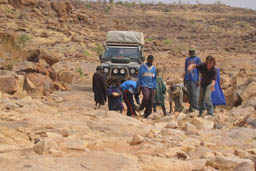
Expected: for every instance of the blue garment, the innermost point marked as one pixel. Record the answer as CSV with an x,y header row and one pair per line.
x,y
194,74
114,102
147,76
128,84
217,95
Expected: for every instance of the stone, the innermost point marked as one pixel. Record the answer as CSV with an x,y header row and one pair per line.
x,y
172,125
62,8
227,162
11,83
66,76
43,147
23,2
201,123
3,1
245,166
190,127
70,144
166,164
38,84
25,66
137,139
181,117
241,153
151,134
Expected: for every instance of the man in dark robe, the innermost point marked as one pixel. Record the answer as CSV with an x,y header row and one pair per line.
x,y
99,88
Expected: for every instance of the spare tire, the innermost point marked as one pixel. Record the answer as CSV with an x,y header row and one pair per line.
x,y
121,59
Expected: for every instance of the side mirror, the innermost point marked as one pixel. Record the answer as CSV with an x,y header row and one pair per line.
x,y
143,58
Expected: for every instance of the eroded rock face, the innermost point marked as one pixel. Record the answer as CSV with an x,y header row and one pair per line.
x,y
23,2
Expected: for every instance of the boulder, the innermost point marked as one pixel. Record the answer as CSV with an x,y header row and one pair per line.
x,y
43,147
137,139
62,8
164,164
38,84
223,163
10,82
201,123
26,66
172,125
66,76
244,167
190,127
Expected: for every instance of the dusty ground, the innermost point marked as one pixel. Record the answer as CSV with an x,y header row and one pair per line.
x,y
64,132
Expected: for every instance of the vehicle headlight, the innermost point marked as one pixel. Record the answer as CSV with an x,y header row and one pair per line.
x,y
122,71
106,70
132,71
115,71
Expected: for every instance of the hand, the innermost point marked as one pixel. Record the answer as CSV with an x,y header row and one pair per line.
x,y
115,94
212,88
198,83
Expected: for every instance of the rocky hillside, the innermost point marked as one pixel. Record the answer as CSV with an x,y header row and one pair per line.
x,y
48,53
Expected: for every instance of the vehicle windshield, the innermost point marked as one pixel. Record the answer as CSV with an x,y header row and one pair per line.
x,y
132,53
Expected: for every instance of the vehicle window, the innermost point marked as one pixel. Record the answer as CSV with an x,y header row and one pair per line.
x,y
132,53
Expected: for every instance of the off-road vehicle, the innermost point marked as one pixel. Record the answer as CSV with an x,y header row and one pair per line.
x,y
123,55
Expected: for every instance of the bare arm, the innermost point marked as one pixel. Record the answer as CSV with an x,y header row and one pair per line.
x,y
213,85
191,67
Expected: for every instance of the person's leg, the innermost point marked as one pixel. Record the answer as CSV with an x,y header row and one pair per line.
x,y
149,102
202,100
154,107
189,91
126,101
146,96
208,100
195,95
170,107
164,109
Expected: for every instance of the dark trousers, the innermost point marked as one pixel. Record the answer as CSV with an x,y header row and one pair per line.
x,y
128,99
147,101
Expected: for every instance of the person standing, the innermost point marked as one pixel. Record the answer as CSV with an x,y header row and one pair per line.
x,y
160,93
129,91
208,80
115,97
191,79
147,84
99,87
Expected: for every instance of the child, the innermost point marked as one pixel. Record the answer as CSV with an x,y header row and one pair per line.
x,y
114,97
176,94
160,92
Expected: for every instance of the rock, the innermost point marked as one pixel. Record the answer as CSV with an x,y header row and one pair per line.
x,y
49,58
82,18
38,84
3,1
248,91
62,86
151,134
241,153
66,76
172,125
181,117
43,147
223,163
190,127
182,155
252,123
62,8
174,132
24,66
244,167
164,164
201,123
250,102
73,145
11,83
137,139
23,2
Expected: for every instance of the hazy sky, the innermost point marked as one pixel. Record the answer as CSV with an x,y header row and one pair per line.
x,y
235,3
